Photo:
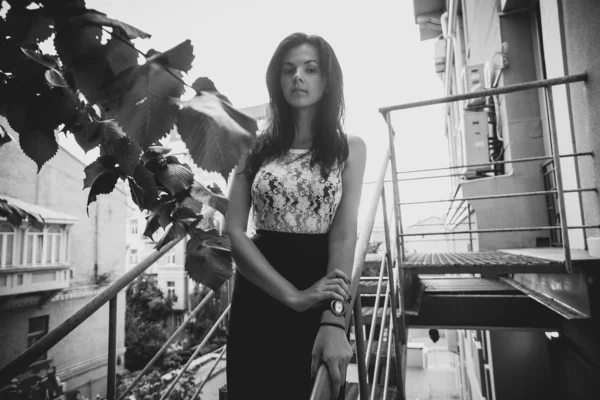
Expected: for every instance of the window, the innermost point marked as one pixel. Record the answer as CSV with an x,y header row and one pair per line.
x,y
133,256
38,327
7,244
171,258
53,249
33,246
134,226
170,289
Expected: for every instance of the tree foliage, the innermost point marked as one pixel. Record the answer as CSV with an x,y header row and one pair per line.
x,y
95,89
145,321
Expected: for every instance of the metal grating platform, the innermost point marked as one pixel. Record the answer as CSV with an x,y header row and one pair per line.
x,y
352,392
495,262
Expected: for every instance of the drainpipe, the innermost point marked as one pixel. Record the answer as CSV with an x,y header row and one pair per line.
x,y
96,231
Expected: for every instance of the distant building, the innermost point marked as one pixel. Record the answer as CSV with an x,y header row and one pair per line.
x,y
48,273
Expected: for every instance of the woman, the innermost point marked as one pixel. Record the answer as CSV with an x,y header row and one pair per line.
x,y
303,179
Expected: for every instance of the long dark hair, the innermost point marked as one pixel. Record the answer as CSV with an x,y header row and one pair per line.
x,y
329,142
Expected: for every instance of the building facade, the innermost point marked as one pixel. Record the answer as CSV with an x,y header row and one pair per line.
x,y
483,44
49,272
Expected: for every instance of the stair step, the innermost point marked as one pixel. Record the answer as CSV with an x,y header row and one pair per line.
x,y
484,262
352,392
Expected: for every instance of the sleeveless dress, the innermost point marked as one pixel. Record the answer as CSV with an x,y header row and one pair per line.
x,y
269,345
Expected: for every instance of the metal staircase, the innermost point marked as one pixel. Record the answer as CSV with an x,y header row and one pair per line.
x,y
445,290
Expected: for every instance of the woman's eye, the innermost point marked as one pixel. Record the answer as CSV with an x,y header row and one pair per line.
x,y
311,70
288,71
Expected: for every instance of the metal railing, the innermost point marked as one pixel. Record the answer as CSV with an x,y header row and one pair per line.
x,y
554,157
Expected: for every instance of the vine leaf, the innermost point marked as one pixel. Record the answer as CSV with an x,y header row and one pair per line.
x,y
179,57
215,133
208,197
93,17
208,258
39,145
120,54
175,178
175,231
139,100
204,84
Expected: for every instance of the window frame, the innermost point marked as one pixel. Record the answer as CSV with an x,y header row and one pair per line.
x,y
37,335
3,246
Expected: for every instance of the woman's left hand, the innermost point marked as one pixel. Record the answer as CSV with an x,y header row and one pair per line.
x,y
332,348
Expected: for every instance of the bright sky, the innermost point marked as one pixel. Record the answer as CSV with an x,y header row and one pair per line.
x,y
377,43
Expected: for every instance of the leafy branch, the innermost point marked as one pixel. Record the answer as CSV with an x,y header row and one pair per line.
x,y
95,90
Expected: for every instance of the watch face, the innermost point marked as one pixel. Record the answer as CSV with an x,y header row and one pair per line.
x,y
338,307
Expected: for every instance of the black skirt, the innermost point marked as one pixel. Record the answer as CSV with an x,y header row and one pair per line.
x,y
269,345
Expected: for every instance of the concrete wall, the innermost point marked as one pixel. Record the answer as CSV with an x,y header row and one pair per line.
x,y
582,54
521,362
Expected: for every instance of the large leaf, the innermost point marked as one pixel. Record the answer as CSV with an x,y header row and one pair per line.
x,y
140,102
93,17
126,153
37,119
28,26
146,181
90,133
175,231
160,216
176,178
179,57
208,258
208,197
95,170
104,184
216,141
120,54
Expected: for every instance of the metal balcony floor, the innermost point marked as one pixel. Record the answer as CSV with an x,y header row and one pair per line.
x,y
484,262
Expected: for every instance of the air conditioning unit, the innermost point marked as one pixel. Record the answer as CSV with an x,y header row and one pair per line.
x,y
475,143
473,81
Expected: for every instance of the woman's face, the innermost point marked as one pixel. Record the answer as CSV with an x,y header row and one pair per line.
x,y
302,81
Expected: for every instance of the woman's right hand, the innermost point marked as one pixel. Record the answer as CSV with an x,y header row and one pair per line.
x,y
333,286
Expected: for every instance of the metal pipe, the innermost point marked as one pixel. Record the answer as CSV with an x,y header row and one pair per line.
x,y
379,343
375,310
187,364
398,334
518,160
386,379
499,230
40,347
111,381
207,377
498,196
562,211
489,92
166,345
470,227
360,348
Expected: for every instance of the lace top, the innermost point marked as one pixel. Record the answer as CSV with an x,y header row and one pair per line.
x,y
290,196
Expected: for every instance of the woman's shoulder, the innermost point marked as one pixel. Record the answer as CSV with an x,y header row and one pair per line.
x,y
357,148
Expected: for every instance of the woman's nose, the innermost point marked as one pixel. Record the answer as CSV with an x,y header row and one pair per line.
x,y
298,76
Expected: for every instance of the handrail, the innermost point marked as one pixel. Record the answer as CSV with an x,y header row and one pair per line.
x,y
212,330
166,345
19,364
489,92
322,385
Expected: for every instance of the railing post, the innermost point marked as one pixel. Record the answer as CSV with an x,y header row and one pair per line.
x,y
470,226
562,211
360,348
111,385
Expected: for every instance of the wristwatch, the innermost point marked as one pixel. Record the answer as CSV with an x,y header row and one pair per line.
x,y
337,307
